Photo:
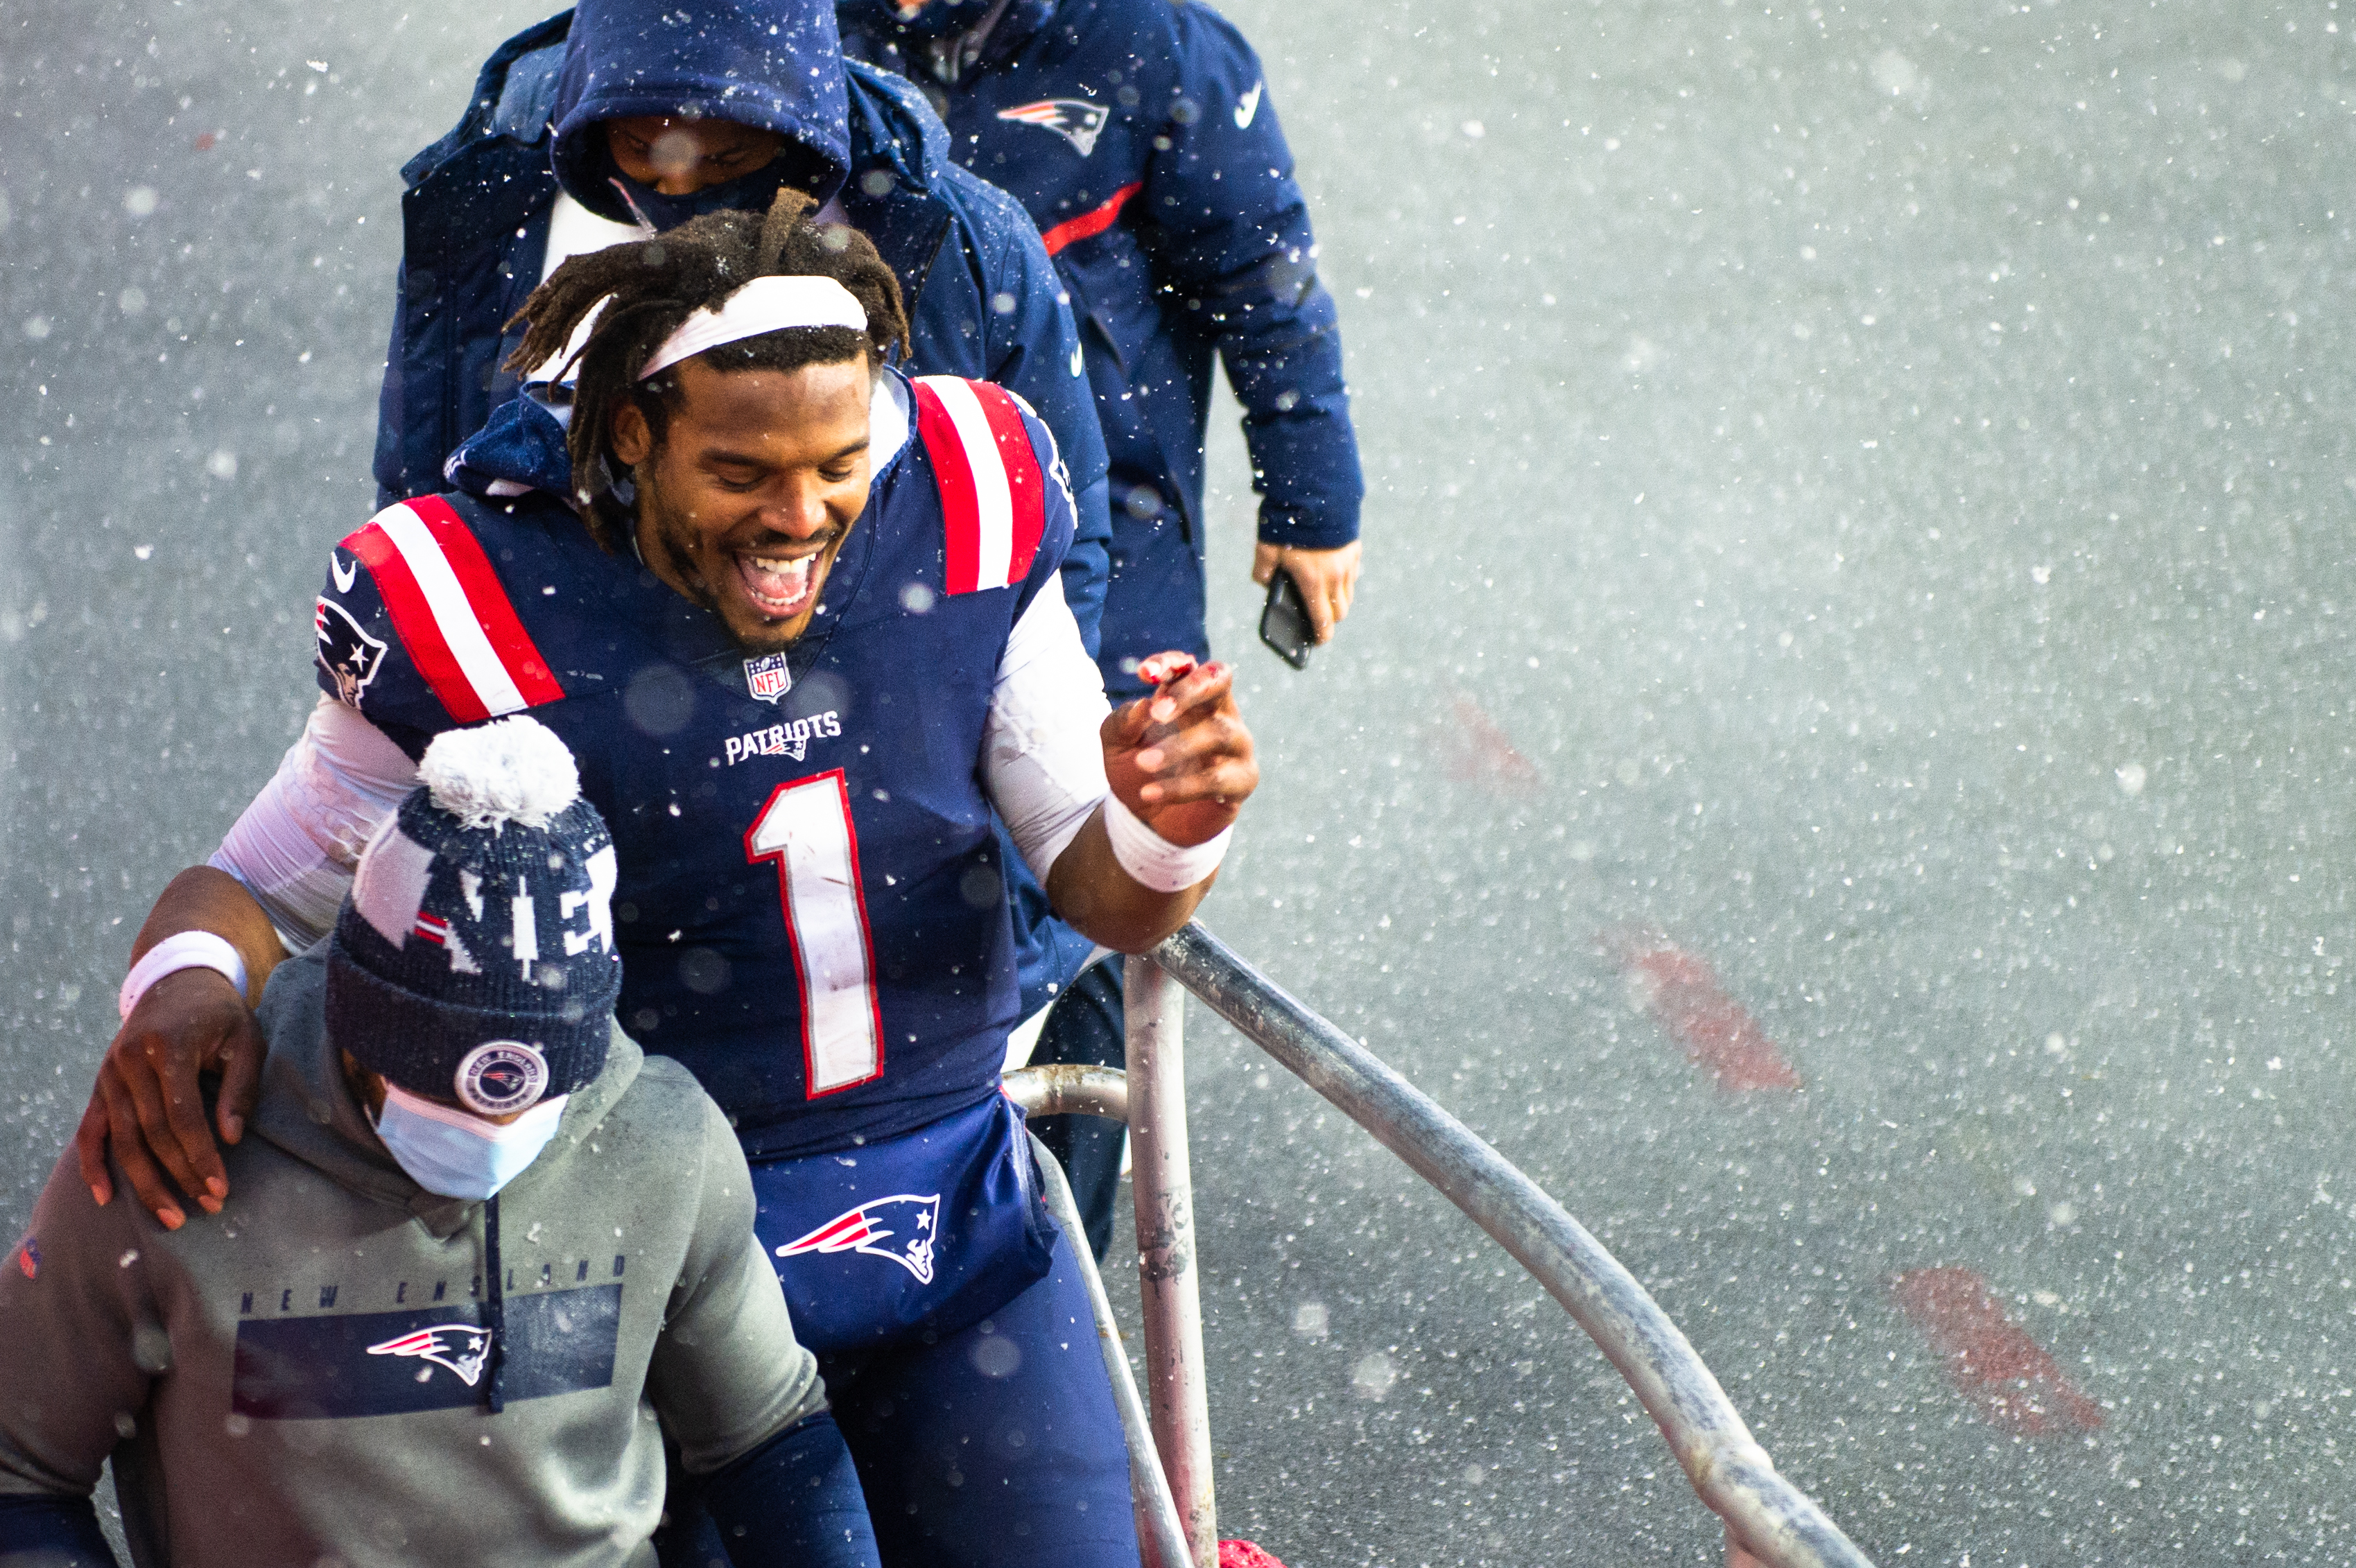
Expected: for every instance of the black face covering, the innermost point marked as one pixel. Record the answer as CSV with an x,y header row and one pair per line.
x,y
793,165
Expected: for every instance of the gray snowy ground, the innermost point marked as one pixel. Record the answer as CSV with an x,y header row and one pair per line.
x,y
1855,496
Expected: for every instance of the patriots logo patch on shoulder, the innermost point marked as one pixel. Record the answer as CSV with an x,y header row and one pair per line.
x,y
902,1228
461,1347
1073,119
345,652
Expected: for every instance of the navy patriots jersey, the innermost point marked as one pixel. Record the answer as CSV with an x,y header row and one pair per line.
x,y
810,907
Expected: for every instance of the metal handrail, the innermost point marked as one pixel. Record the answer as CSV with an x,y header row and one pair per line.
x,y
1158,1529
1169,1296
1765,1515
1069,1089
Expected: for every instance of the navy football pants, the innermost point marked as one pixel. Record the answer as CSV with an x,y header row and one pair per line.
x,y
996,1446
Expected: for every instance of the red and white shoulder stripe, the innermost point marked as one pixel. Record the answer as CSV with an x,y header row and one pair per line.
x,y
454,618
993,493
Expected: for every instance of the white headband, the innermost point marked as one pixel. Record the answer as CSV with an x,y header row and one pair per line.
x,y
765,305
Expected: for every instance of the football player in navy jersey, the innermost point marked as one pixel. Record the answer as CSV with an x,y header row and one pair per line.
x,y
803,630
612,119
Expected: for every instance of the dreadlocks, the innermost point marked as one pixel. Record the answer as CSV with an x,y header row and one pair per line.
x,y
650,287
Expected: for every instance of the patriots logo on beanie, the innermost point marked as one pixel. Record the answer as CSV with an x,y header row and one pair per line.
x,y
475,958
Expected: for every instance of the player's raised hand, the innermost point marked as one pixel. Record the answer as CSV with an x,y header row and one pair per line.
x,y
1181,758
150,1107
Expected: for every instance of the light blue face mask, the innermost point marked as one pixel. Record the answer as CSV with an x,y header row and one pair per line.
x,y
449,1152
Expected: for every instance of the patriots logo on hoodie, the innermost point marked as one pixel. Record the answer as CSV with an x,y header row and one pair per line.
x,y
461,1347
1073,119
902,1228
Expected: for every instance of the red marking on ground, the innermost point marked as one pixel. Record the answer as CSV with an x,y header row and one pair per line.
x,y
1991,1360
206,140
1683,994
1482,754
1244,1555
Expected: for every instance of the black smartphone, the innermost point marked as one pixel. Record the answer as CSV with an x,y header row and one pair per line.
x,y
1284,624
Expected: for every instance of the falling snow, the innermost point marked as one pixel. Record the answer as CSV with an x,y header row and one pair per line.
x,y
1859,493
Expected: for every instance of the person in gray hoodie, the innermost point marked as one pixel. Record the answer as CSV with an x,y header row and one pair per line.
x,y
483,1256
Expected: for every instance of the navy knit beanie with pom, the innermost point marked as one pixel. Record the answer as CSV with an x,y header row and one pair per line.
x,y
475,959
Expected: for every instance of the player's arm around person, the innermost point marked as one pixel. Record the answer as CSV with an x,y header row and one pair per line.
x,y
205,951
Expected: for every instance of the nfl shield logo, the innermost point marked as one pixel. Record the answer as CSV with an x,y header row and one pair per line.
x,y
767,677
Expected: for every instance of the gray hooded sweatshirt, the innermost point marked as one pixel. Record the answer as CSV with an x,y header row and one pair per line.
x,y
301,1379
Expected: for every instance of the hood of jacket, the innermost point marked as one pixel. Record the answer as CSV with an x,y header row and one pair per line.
x,y
522,447
308,1109
886,125
777,68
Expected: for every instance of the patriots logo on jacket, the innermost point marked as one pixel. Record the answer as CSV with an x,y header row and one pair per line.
x,y
461,1347
1073,119
345,652
864,1229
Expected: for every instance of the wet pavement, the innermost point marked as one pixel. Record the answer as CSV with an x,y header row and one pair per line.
x,y
1838,768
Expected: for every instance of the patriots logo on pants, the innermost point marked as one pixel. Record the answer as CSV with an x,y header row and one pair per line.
x,y
864,1229
1073,119
461,1347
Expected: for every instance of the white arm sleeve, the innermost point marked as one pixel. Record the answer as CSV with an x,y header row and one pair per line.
x,y
297,845
1043,761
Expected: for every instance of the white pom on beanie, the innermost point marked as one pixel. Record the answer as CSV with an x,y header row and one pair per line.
x,y
513,770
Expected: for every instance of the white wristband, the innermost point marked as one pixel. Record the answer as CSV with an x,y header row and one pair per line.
x,y
182,950
1159,864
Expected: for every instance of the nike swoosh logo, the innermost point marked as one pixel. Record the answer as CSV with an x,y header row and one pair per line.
x,y
1249,106
1079,361
344,576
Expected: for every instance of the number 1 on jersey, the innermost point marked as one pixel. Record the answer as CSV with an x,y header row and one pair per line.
x,y
805,830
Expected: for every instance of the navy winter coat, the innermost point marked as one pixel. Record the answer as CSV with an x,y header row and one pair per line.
x,y
983,300
1139,134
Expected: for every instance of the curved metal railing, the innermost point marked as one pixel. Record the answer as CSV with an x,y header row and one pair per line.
x,y
1766,1516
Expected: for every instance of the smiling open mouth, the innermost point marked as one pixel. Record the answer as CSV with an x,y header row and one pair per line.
x,y
780,588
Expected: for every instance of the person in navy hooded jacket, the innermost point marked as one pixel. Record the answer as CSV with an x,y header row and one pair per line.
x,y
1140,136
616,116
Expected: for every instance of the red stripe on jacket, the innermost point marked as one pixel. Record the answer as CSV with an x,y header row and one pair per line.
x,y
1096,220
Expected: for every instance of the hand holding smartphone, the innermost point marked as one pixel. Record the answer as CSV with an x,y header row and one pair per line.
x,y
1284,624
